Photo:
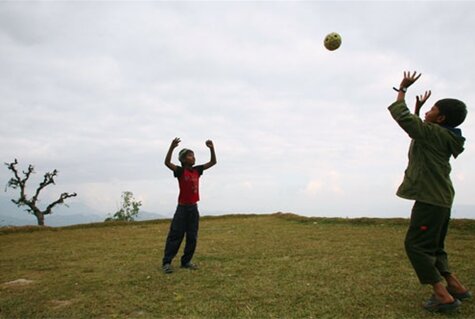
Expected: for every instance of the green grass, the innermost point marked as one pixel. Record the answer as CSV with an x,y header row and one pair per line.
x,y
252,266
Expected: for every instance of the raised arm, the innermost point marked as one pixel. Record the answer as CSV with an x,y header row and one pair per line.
x,y
410,123
168,158
212,160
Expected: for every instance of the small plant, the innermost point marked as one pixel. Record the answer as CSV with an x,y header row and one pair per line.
x,y
129,210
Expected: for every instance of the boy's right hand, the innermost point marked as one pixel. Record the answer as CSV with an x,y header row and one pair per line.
x,y
409,79
175,142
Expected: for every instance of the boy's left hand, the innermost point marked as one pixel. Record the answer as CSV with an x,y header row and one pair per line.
x,y
209,143
420,100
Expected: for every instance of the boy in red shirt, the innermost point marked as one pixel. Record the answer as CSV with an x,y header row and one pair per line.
x,y
186,218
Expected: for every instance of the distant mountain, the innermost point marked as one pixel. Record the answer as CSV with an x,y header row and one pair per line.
x,y
20,220
149,216
76,213
146,216
463,211
55,219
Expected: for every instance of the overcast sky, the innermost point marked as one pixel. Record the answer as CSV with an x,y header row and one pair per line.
x,y
98,90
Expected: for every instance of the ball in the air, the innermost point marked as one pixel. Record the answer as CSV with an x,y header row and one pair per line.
x,y
332,41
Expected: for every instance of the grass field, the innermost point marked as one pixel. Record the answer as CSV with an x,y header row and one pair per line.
x,y
251,266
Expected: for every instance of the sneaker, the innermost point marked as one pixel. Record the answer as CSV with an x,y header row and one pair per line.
x,y
433,305
167,268
190,266
460,295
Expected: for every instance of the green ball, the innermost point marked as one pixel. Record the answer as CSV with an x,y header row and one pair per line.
x,y
332,41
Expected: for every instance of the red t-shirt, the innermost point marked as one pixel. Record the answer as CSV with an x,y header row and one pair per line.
x,y
188,180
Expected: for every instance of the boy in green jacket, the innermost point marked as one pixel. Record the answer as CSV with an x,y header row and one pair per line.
x,y
427,181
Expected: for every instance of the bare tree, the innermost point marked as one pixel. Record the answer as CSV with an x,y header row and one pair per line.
x,y
31,204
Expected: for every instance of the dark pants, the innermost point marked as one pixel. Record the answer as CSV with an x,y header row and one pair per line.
x,y
185,221
425,242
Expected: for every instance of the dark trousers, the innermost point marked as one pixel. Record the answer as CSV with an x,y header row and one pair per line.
x,y
185,221
424,242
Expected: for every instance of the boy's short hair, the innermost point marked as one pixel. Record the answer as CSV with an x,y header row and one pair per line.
x,y
183,154
454,111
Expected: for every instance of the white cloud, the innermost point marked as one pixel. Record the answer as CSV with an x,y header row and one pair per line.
x,y
325,183
313,187
99,90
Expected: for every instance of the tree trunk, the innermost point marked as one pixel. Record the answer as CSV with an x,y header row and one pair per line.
x,y
41,218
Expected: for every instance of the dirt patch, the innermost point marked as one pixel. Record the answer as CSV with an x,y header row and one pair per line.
x,y
18,283
57,304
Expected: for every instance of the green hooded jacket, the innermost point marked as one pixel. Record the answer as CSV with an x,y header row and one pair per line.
x,y
427,176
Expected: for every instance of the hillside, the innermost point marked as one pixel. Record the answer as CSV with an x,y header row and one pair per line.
x,y
251,266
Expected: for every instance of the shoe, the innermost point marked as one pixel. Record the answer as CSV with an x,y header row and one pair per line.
x,y
433,305
190,266
460,295
167,268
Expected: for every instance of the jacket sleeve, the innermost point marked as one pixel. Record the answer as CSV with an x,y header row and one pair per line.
x,y
409,122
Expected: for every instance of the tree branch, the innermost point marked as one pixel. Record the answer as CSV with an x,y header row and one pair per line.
x,y
17,181
60,201
47,179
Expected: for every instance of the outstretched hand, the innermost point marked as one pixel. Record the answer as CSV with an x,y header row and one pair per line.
x,y
409,79
420,100
175,142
